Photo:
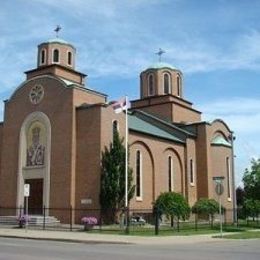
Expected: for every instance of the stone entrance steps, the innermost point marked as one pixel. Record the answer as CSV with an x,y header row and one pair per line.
x,y
33,220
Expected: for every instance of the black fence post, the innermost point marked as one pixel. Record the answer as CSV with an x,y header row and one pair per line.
x,y
171,220
156,221
44,217
20,211
100,220
127,221
71,218
178,224
196,222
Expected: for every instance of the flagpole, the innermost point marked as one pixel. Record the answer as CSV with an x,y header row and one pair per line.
x,y
126,154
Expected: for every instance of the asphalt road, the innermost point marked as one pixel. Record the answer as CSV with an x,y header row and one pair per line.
x,y
32,249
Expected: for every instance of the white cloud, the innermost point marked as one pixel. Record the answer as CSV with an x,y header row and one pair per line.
x,y
240,113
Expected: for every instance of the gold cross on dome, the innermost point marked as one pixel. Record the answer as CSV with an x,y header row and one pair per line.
x,y
160,53
57,29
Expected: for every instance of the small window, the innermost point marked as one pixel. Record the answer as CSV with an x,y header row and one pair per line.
x,y
178,86
150,85
166,83
69,58
138,169
170,175
191,172
56,55
115,129
43,56
228,178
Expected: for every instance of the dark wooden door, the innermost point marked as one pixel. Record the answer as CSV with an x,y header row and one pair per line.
x,y
35,200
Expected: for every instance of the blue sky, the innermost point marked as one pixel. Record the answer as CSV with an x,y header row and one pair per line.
x,y
216,44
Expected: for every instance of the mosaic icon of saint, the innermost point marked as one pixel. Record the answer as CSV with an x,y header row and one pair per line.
x,y
35,153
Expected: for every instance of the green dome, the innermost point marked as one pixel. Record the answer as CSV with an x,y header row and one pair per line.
x,y
57,40
161,65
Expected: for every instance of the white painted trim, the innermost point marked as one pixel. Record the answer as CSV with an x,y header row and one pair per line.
x,y
192,183
178,86
52,56
170,83
228,165
139,198
72,58
148,84
42,171
40,58
113,120
172,182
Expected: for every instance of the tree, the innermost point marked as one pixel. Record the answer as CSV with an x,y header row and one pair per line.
x,y
240,195
206,206
172,205
251,208
251,180
112,190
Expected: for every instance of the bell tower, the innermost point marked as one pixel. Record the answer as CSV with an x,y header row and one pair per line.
x,y
161,79
57,57
56,51
161,94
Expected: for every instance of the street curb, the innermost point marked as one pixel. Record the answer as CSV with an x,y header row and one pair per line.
x,y
69,240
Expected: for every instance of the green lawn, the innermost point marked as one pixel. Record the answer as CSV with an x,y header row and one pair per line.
x,y
144,231
244,235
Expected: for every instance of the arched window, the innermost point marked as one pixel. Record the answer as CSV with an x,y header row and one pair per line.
x,y
228,178
191,172
167,83
178,86
43,56
138,172
170,174
115,129
69,58
56,55
150,85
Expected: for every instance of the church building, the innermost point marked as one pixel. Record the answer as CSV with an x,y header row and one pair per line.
x,y
55,129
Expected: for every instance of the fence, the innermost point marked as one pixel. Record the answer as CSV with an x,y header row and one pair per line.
x,y
120,221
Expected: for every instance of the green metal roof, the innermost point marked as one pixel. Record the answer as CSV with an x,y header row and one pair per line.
x,y
58,40
161,65
137,124
220,140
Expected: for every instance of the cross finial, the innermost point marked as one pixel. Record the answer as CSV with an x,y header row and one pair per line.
x,y
57,29
160,53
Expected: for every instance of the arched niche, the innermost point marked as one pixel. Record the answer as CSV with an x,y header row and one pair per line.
x,y
34,155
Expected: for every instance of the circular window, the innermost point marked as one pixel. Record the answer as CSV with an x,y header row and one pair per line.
x,y
36,94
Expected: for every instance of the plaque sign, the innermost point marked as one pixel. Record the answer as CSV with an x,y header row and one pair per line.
x,y
26,190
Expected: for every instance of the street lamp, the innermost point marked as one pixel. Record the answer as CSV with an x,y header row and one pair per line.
x,y
232,138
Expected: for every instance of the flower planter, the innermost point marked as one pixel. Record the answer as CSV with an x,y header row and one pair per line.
x,y
89,223
88,227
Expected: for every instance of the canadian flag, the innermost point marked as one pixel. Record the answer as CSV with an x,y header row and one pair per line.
x,y
120,105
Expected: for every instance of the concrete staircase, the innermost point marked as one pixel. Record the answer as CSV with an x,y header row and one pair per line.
x,y
33,220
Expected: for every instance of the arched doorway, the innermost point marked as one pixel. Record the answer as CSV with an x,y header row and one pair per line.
x,y
34,162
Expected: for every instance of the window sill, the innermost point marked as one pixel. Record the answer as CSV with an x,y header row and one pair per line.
x,y
139,199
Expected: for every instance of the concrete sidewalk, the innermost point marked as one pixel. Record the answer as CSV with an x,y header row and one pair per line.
x,y
85,237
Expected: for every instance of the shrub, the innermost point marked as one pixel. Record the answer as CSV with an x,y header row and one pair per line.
x,y
172,204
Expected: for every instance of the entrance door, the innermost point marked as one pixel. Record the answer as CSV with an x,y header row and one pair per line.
x,y
35,200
